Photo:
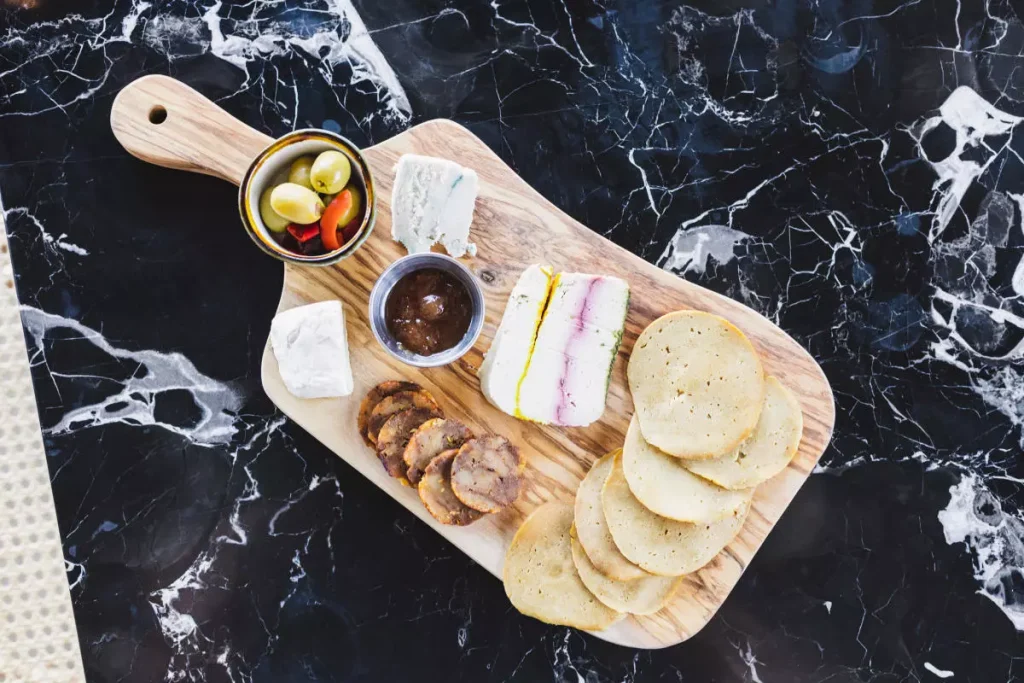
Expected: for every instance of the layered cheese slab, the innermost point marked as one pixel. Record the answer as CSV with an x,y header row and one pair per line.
x,y
552,357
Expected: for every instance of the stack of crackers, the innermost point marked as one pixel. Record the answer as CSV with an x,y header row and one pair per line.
x,y
708,428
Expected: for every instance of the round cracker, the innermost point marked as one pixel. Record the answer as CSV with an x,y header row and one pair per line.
x,y
768,450
487,473
375,396
592,529
661,546
697,384
435,489
395,435
666,488
396,403
639,596
428,441
541,579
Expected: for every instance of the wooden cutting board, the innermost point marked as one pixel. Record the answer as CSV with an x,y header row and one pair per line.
x,y
163,121
514,226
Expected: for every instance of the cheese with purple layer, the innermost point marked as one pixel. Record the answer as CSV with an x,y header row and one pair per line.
x,y
558,373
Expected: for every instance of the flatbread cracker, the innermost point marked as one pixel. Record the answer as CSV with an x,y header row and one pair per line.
x,y
659,545
665,487
640,596
697,384
766,452
592,529
541,579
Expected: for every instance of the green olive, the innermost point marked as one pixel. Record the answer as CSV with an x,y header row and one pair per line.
x,y
296,203
299,171
330,172
271,219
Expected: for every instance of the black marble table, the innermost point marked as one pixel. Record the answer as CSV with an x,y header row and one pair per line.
x,y
852,170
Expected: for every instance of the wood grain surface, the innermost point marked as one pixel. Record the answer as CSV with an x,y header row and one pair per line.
x,y
514,227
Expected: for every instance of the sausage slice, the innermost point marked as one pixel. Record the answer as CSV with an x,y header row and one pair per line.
x,y
396,403
486,473
427,442
375,396
394,436
435,489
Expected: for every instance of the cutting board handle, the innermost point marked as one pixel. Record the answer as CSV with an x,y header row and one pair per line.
x,y
161,120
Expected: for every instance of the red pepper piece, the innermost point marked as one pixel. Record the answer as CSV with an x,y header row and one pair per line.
x,y
339,207
303,233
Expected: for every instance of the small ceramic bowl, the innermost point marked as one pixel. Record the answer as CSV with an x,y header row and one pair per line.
x,y
276,159
386,282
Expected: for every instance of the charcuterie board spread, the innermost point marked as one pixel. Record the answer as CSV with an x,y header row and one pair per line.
x,y
612,441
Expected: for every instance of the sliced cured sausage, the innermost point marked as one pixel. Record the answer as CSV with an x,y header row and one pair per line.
x,y
375,396
394,436
427,442
435,489
487,473
396,403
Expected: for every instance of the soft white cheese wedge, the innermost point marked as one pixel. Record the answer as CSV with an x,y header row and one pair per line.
x,y
566,382
433,201
506,360
311,348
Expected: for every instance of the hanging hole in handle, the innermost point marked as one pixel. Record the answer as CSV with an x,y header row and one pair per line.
x,y
157,114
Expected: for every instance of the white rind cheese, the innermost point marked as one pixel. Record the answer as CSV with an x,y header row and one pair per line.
x,y
311,348
552,357
433,201
506,360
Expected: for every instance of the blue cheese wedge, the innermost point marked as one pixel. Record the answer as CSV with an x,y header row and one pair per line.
x,y
311,348
552,358
432,202
506,360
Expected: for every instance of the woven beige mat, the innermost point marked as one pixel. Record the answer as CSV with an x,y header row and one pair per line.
x,y
38,641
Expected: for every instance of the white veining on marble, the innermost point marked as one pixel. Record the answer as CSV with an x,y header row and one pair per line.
x,y
262,34
750,660
995,538
691,249
975,122
941,673
49,241
346,41
133,401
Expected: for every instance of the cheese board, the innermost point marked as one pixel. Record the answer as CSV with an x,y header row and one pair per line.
x,y
514,226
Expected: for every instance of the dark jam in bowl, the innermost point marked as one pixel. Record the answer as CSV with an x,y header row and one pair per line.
x,y
428,311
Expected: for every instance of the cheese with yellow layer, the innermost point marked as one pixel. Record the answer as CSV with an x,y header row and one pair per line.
x,y
505,362
562,355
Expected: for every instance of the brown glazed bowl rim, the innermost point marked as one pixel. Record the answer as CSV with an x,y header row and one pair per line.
x,y
247,203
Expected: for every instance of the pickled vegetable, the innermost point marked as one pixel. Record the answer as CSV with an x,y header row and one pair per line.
x,y
339,207
348,206
330,172
271,219
299,171
296,204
